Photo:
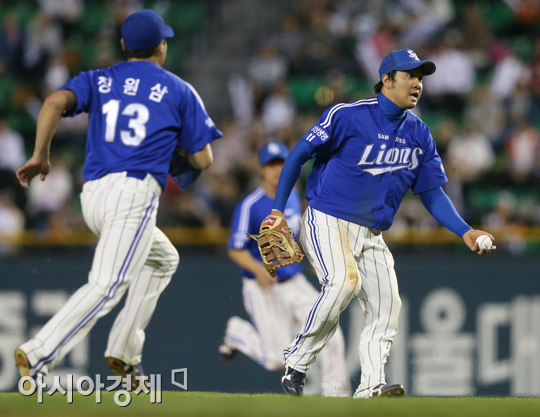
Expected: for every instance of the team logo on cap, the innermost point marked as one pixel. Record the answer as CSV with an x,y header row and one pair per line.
x,y
273,148
413,55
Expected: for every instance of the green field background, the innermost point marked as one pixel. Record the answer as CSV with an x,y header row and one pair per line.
x,y
203,404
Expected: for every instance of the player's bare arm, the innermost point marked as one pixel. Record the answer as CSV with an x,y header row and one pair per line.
x,y
243,259
470,238
203,158
54,107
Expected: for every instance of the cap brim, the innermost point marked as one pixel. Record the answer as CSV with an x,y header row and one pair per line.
x,y
169,32
267,160
427,67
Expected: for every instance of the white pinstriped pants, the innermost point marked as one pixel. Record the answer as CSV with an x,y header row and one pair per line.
x,y
131,253
350,261
276,315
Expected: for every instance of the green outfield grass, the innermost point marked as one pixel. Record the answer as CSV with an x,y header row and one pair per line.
x,y
264,405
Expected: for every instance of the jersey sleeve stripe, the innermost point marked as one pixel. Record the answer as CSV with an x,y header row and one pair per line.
x,y
243,222
328,119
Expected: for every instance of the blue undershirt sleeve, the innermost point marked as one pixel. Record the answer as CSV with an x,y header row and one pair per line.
x,y
290,173
442,209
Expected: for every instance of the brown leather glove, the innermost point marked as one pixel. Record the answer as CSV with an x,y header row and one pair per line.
x,y
276,244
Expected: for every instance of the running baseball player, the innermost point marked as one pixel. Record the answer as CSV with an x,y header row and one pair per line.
x,y
367,156
139,113
277,306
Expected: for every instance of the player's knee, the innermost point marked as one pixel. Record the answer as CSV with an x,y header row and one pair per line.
x,y
397,305
341,294
174,260
169,263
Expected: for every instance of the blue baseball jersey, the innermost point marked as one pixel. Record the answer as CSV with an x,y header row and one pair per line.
x,y
247,218
364,165
138,113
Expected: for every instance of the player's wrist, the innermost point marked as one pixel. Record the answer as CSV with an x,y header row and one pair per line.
x,y
42,155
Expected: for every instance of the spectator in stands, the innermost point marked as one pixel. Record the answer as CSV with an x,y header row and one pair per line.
x,y
11,220
11,157
189,211
506,75
43,40
476,36
446,90
429,17
278,114
56,75
522,148
487,114
265,69
534,80
46,199
11,41
290,38
470,155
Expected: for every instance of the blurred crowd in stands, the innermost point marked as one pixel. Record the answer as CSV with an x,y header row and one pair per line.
x,y
482,104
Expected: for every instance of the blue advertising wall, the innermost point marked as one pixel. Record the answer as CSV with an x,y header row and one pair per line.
x,y
470,325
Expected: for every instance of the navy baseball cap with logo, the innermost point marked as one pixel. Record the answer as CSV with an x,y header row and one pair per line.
x,y
272,150
144,29
404,60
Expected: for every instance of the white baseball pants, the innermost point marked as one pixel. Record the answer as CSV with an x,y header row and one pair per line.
x,y
350,261
276,316
131,253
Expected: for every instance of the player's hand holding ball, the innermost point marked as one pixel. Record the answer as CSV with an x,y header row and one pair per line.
x,y
485,244
479,241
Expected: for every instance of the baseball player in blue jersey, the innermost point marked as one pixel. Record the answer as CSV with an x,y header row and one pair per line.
x,y
276,306
368,154
139,113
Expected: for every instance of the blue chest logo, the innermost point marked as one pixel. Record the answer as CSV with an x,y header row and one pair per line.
x,y
389,159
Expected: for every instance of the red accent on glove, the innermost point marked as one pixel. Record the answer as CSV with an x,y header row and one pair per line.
x,y
269,221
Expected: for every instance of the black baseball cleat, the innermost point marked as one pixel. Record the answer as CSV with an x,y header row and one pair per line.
x,y
388,390
227,353
293,382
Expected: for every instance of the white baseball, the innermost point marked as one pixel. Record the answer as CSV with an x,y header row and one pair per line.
x,y
484,243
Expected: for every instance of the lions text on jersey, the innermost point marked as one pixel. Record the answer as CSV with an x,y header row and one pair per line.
x,y
364,165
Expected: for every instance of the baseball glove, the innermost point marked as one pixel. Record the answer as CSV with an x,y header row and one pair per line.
x,y
276,244
182,172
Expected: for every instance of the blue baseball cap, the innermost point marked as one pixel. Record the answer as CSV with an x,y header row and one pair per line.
x,y
272,150
403,60
144,29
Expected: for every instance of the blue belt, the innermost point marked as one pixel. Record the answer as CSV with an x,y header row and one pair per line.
x,y
136,174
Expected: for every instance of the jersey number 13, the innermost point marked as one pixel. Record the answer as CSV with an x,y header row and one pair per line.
x,y
138,114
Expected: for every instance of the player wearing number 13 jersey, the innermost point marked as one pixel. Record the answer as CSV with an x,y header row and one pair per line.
x,y
139,113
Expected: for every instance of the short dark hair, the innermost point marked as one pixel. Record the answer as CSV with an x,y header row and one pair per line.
x,y
139,53
378,87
